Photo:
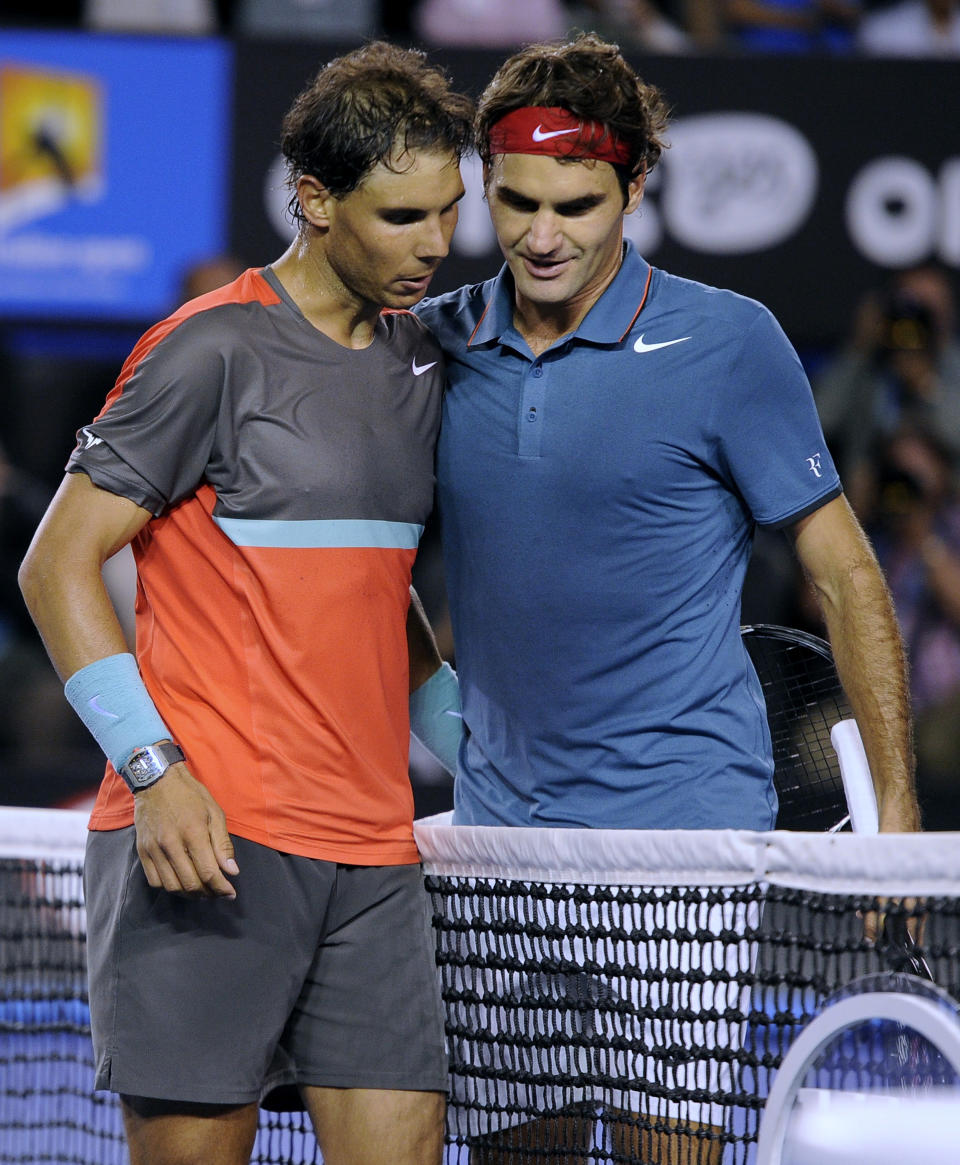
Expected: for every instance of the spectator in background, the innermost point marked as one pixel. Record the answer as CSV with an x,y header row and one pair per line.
x,y
791,26
916,531
320,19
636,24
900,367
488,23
194,17
209,274
915,28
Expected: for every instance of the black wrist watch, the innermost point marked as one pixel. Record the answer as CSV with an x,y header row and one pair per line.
x,y
147,765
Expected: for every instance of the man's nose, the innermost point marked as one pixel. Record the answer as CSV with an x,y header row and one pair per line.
x,y
544,233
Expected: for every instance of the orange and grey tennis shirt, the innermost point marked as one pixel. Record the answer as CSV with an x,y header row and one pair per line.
x,y
289,479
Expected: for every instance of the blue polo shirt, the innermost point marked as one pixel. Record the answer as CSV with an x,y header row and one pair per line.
x,y
597,505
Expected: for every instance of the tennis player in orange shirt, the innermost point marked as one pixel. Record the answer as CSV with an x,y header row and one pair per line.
x,y
257,918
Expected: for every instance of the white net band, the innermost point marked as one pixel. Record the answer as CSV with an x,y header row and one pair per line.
x,y
833,863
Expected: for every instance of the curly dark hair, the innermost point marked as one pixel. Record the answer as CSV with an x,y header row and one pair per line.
x,y
367,107
589,77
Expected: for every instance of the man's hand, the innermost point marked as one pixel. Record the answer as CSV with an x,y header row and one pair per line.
x,y
182,837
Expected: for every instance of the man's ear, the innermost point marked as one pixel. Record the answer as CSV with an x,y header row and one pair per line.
x,y
316,201
635,192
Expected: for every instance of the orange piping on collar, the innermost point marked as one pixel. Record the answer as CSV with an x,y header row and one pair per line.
x,y
643,300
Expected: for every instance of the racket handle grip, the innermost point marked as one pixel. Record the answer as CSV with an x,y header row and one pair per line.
x,y
855,773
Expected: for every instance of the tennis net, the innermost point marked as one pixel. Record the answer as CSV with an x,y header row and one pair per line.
x,y
49,1113
627,996
604,989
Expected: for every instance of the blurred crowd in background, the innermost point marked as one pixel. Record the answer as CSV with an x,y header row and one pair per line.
x,y
888,391
892,27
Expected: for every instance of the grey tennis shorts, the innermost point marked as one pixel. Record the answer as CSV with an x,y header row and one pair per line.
x,y
316,974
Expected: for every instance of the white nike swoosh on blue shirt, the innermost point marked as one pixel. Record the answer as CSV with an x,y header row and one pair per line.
x,y
641,346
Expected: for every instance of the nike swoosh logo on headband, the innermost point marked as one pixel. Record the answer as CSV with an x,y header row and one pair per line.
x,y
542,135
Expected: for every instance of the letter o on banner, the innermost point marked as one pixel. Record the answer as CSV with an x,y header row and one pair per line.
x,y
892,212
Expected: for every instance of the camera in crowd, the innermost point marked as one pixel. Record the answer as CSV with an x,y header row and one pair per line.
x,y
909,324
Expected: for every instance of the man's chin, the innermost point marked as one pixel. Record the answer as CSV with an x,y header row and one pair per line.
x,y
398,301
546,291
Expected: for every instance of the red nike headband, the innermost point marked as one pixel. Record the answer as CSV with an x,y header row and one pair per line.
x,y
558,133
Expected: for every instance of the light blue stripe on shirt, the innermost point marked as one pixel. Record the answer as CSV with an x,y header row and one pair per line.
x,y
333,533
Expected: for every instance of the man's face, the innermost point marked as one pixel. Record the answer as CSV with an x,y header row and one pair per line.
x,y
385,239
559,225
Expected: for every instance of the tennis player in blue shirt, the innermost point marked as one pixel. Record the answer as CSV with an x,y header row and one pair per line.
x,y
611,436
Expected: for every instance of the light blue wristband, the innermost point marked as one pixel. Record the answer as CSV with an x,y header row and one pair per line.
x,y
110,698
435,716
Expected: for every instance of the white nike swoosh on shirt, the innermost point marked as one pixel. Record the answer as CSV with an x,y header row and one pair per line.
x,y
420,369
541,135
640,346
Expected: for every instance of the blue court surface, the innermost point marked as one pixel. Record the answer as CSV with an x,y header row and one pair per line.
x,y
50,1116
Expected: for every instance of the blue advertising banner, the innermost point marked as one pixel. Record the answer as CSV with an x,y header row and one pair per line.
x,y
113,171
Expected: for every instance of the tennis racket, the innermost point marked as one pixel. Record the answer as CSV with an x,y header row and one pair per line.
x,y
873,1077
820,770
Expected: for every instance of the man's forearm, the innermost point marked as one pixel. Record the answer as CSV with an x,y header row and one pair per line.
x,y
871,663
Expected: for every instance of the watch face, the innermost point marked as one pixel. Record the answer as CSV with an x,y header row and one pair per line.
x,y
147,765
144,766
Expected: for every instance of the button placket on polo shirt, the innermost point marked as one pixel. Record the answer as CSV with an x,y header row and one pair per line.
x,y
532,403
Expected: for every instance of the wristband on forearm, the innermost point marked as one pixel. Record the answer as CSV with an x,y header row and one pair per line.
x,y
435,716
110,698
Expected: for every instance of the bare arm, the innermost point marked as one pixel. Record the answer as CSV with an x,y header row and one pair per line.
x,y
61,575
182,837
422,650
862,627
436,719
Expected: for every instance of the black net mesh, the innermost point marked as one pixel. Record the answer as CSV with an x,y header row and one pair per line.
x,y
49,1114
593,1023
644,1024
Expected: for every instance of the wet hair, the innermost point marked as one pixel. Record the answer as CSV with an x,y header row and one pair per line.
x,y
589,77
366,107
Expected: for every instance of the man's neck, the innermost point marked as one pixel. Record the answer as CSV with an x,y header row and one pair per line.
x,y
326,303
542,325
